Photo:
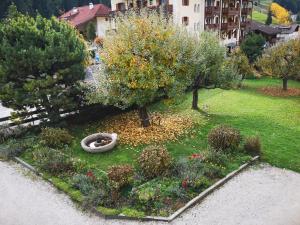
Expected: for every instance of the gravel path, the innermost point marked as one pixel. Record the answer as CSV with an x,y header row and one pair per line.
x,y
261,195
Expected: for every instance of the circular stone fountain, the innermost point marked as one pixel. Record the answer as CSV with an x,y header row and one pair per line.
x,y
99,142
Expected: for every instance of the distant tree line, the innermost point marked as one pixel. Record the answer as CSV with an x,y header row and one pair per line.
x,y
46,8
291,5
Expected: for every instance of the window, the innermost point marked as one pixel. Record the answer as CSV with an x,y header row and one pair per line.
x,y
185,2
195,26
121,7
198,8
150,2
198,26
185,21
195,8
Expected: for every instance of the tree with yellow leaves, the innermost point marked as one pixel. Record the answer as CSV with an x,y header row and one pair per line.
x,y
146,58
282,61
280,13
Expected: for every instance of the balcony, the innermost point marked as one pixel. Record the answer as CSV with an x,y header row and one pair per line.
x,y
212,10
230,11
246,11
212,26
229,26
167,9
245,24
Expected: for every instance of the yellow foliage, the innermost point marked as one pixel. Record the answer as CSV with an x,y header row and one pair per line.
x,y
281,14
163,127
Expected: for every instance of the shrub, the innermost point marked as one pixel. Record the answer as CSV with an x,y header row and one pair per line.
x,y
201,183
214,156
154,161
213,171
7,132
120,176
190,168
252,145
53,161
55,137
84,183
11,149
224,137
95,198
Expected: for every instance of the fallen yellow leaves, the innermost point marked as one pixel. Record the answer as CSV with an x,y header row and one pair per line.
x,y
279,92
163,127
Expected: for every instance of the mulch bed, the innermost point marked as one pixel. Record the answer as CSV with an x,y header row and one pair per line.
x,y
278,92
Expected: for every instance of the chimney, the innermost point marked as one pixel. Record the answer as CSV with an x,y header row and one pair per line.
x,y
91,5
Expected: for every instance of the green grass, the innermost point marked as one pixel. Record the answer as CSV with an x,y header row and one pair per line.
x,y
275,119
262,17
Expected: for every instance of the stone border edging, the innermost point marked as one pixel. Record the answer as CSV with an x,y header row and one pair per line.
x,y
191,203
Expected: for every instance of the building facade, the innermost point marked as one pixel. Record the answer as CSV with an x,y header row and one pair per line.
x,y
97,14
230,18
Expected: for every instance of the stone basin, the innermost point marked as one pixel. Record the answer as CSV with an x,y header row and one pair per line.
x,y
91,143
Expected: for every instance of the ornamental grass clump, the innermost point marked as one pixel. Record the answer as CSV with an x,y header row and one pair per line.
x,y
252,145
154,161
224,138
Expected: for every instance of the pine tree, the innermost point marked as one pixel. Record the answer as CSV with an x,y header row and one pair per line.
x,y
269,18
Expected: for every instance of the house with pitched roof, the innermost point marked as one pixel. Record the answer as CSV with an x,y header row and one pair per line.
x,y
98,14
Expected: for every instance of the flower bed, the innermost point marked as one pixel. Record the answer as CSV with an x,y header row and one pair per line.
x,y
158,185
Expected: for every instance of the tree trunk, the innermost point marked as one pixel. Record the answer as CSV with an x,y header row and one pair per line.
x,y
196,87
52,112
144,116
285,84
195,99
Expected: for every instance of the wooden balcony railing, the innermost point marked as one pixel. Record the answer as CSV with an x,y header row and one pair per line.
x,y
212,26
229,26
245,24
168,9
246,11
212,10
231,11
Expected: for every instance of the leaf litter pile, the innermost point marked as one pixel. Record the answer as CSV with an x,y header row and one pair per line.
x,y
278,92
164,126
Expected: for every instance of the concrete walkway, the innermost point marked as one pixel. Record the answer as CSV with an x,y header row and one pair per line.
x,y
261,195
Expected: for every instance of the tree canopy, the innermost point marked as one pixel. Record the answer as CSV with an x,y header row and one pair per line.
x,y
41,61
280,13
210,55
146,58
282,61
253,46
291,5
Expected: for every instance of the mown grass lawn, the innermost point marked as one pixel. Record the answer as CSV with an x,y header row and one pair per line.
x,y
275,119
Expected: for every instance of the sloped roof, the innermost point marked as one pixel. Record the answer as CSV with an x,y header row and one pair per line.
x,y
84,14
269,30
289,29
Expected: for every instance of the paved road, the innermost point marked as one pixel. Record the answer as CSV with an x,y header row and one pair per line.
x,y
4,111
261,195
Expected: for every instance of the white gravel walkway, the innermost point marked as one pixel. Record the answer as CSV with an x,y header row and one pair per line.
x,y
261,195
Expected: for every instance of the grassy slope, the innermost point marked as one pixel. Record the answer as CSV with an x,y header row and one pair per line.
x,y
262,17
274,119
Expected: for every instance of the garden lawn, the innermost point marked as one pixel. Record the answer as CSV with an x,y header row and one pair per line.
x,y
275,119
